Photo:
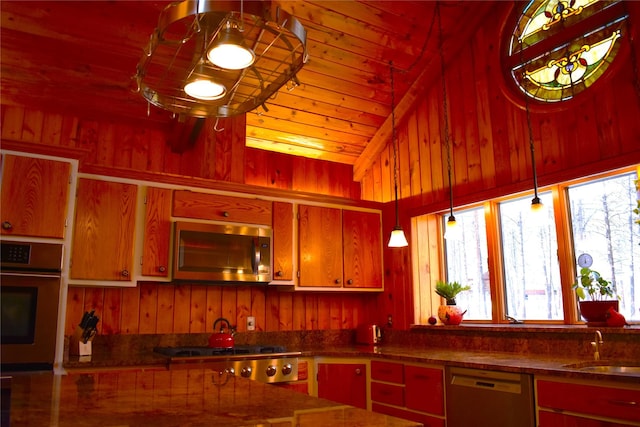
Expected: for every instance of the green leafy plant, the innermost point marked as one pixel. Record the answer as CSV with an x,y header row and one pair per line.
x,y
592,286
449,290
637,208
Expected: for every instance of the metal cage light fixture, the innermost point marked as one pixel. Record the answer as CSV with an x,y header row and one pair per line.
x,y
220,58
397,238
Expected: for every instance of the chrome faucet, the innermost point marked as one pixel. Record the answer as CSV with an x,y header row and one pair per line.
x,y
596,345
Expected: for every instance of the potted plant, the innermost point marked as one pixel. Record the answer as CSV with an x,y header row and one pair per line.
x,y
450,314
596,296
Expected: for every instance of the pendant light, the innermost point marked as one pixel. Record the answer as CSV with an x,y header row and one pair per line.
x,y
452,231
536,203
200,86
397,238
228,50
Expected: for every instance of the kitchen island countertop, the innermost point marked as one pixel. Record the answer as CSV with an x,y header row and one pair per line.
x,y
162,398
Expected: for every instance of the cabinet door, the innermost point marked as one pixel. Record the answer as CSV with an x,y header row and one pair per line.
x,y
320,240
282,241
34,197
157,233
345,383
103,230
362,242
424,389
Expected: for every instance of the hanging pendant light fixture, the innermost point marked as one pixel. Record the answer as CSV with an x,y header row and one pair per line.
x,y
397,238
452,231
212,58
536,203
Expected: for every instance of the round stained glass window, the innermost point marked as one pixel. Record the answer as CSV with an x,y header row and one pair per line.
x,y
560,48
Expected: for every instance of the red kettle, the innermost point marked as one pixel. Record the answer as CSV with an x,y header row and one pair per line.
x,y
222,339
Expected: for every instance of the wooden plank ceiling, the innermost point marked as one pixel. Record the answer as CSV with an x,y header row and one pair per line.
x,y
79,58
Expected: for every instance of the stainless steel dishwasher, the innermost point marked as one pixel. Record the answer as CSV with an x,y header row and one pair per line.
x,y
481,398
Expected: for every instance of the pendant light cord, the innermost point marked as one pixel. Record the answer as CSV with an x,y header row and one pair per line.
x,y
445,107
393,141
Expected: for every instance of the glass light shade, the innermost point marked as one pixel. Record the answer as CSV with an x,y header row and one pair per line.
x,y
229,53
452,230
205,89
397,239
536,205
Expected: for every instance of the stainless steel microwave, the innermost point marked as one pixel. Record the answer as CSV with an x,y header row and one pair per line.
x,y
222,253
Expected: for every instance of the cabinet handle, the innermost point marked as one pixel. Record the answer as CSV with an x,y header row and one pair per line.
x,y
350,282
162,269
125,273
338,281
6,225
225,214
278,273
358,371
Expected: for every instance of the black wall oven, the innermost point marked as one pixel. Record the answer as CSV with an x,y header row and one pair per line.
x,y
29,300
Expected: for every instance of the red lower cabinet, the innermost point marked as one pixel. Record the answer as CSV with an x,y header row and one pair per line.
x,y
343,382
407,391
587,404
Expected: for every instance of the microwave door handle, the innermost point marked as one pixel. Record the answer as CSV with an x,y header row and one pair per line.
x,y
256,255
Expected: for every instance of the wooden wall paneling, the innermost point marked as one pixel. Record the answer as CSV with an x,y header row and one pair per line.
x,y
422,153
256,170
182,308
286,311
75,309
88,140
311,311
404,168
336,319
238,149
413,157
111,312
229,303
243,307
157,150
12,122
148,308
70,129
386,174
458,122
166,308
52,129
324,312
123,143
130,308
298,309
469,125
32,126
271,319
259,306
482,68
139,140
105,148
609,143
436,142
552,137
198,309
214,306
377,181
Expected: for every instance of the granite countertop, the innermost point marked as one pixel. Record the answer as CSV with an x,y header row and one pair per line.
x,y
568,367
162,398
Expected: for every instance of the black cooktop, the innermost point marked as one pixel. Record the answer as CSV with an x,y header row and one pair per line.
x,y
215,351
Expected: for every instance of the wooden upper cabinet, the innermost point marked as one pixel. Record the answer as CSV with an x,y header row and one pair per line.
x,y
190,204
362,244
35,194
282,241
157,232
340,248
103,236
320,246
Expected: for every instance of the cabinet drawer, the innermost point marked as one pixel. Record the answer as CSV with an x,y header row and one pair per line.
x,y
426,420
189,204
389,372
554,419
387,393
618,403
424,389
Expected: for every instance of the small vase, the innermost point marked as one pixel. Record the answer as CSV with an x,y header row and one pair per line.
x,y
450,314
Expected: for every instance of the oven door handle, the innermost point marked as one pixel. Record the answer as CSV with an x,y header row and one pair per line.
x,y
256,255
30,274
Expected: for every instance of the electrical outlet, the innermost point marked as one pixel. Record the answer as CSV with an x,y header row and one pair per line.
x,y
251,323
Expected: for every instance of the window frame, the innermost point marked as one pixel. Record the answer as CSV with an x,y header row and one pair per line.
x,y
425,299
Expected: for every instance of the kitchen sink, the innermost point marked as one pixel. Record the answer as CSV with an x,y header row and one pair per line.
x,y
608,366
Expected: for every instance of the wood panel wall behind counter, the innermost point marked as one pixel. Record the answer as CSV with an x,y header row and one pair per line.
x,y
153,308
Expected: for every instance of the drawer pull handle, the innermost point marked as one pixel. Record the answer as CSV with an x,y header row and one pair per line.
x,y
623,402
